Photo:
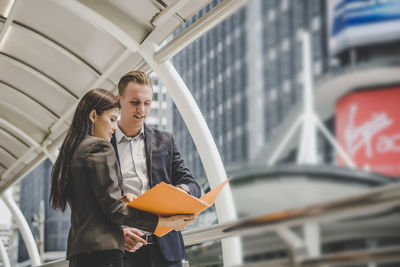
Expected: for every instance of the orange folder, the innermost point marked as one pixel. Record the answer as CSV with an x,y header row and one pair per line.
x,y
166,200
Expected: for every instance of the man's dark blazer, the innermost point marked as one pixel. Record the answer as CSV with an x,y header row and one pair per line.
x,y
165,164
97,212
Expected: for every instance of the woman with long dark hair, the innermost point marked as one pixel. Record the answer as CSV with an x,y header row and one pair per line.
x,y
87,177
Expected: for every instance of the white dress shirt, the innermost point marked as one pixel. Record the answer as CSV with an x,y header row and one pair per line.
x,y
132,156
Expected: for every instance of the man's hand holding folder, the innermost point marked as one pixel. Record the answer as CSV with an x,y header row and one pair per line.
x,y
166,200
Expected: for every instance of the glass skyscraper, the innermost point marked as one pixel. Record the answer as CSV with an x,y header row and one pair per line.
x,y
245,75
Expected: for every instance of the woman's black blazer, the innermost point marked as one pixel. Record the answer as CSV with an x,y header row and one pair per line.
x,y
97,212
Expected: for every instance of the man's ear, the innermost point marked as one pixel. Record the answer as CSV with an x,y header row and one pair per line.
x,y
118,96
92,115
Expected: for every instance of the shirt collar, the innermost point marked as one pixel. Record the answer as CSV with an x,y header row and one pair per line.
x,y
119,135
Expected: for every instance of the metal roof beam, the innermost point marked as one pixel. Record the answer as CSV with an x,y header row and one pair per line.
x,y
3,166
198,28
18,163
9,20
5,132
58,46
19,132
19,91
96,84
168,12
34,145
102,22
40,75
8,152
32,165
108,26
47,152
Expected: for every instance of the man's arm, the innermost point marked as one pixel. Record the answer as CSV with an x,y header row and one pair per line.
x,y
181,174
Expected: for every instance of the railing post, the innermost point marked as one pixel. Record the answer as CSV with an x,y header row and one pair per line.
x,y
23,227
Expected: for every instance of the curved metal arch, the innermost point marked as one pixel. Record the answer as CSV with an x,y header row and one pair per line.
x,y
36,121
15,140
31,98
102,22
19,132
8,156
22,224
12,135
205,144
3,166
48,144
3,255
96,84
9,20
168,12
37,73
18,163
197,29
8,152
51,42
43,155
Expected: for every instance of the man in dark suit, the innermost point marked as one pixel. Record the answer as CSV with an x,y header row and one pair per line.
x,y
147,157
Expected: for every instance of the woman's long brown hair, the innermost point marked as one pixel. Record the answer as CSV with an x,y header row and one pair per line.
x,y
99,100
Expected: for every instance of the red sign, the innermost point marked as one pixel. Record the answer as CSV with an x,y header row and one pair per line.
x,y
368,128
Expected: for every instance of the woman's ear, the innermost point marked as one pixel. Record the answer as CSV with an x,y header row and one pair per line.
x,y
92,115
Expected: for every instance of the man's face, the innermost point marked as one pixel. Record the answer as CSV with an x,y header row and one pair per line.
x,y
135,104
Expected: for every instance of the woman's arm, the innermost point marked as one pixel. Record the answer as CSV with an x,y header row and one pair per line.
x,y
104,174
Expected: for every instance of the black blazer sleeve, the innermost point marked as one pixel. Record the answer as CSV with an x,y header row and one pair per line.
x,y
104,173
182,174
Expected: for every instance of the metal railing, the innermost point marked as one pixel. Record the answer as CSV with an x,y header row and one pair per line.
x,y
382,199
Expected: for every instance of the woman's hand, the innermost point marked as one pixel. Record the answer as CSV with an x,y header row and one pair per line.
x,y
177,222
127,198
133,239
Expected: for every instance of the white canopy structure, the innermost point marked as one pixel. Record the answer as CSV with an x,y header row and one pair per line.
x,y
53,51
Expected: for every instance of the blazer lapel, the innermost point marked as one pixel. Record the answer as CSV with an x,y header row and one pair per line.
x,y
148,147
114,144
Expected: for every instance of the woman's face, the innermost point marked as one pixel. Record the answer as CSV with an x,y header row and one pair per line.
x,y
104,125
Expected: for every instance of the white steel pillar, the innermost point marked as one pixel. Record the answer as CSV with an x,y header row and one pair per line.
x,y
308,139
312,238
3,255
308,120
197,126
308,152
23,227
